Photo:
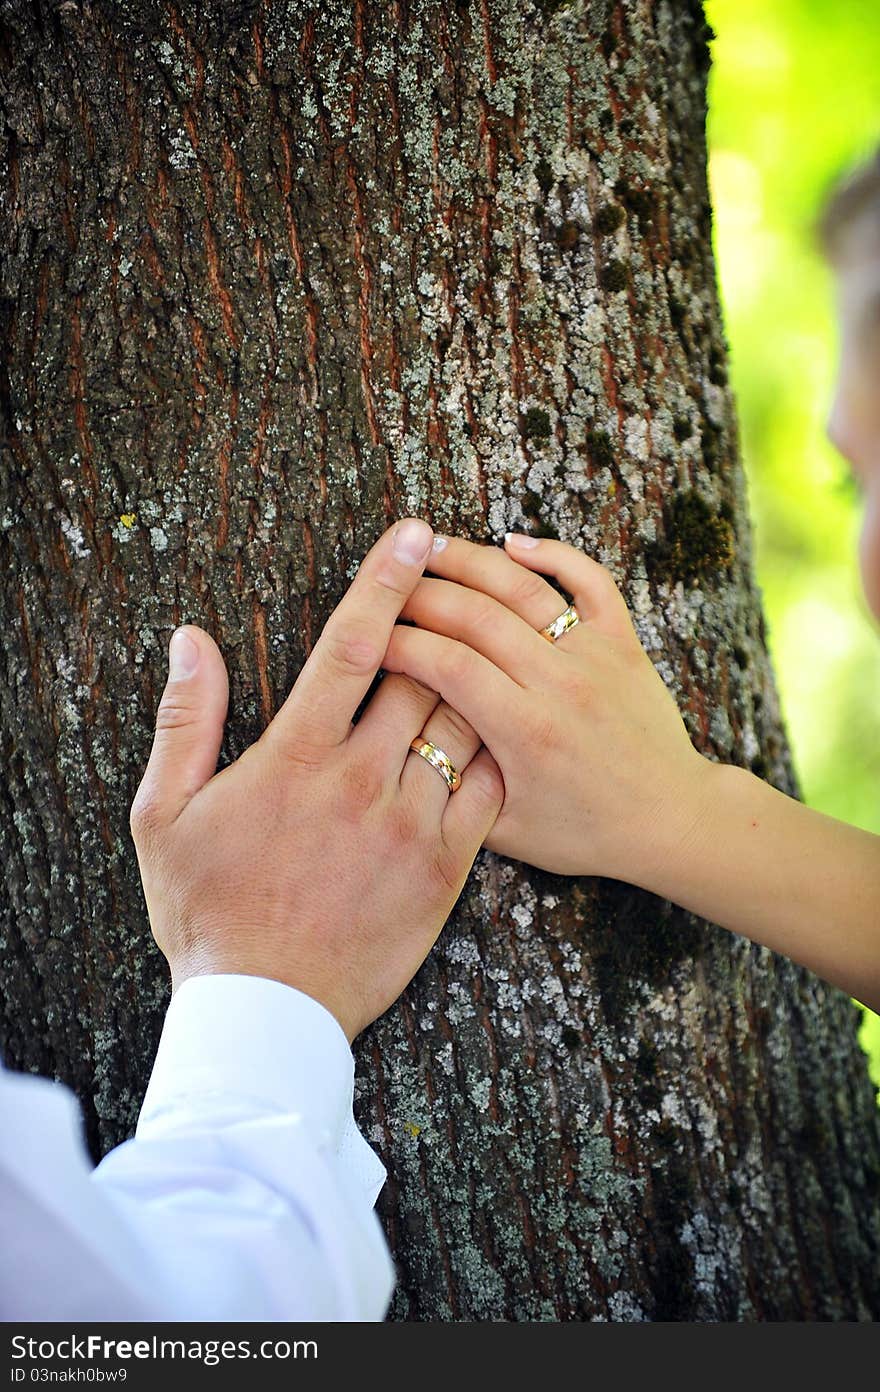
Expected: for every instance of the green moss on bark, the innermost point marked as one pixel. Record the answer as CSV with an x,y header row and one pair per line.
x,y
697,542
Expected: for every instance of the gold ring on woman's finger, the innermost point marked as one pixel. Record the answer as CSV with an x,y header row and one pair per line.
x,y
567,620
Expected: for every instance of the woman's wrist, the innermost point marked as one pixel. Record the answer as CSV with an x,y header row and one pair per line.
x,y
741,853
679,830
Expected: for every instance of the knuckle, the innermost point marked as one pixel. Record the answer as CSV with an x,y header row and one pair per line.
x,y
526,588
145,813
412,694
360,787
540,727
174,713
456,664
403,827
452,728
484,613
387,580
350,651
302,754
486,783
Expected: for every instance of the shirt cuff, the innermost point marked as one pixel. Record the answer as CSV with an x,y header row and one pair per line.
x,y
250,1041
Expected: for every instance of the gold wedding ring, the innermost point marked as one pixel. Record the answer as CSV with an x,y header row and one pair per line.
x,y
567,620
438,760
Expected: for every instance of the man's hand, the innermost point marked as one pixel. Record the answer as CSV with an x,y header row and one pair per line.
x,y
600,775
327,856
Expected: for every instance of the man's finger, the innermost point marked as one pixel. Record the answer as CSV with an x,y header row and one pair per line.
x,y
349,652
395,715
189,729
459,741
471,812
487,698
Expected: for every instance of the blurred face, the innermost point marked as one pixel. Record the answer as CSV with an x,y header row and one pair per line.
x,y
854,422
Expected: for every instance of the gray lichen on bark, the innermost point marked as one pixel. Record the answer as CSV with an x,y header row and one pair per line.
x,y
272,275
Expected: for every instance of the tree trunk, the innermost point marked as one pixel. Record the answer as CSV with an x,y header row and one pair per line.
x,y
274,274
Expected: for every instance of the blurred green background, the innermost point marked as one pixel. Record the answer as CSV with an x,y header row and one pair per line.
x,y
794,101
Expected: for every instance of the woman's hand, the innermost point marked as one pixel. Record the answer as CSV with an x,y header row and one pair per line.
x,y
327,856
600,775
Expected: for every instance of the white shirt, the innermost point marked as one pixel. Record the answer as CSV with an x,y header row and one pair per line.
x,y
246,1193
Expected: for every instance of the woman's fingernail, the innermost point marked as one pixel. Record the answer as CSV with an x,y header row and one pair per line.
x,y
183,655
411,541
520,539
440,543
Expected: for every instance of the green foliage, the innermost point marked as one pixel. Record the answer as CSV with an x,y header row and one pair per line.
x,y
794,98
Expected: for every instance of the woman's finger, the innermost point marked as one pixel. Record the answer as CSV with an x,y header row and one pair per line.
x,y
489,570
595,592
487,698
395,715
486,624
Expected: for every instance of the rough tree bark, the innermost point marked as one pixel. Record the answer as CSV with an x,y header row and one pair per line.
x,y
272,275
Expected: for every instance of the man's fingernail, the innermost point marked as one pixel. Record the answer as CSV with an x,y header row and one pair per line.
x,y
411,541
183,655
520,539
440,543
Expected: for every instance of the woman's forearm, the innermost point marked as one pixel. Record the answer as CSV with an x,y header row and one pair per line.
x,y
755,861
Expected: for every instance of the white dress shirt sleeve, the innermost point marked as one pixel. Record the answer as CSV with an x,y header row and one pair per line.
x,y
246,1193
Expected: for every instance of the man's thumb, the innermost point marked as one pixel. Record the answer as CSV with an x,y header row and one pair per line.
x,y
189,728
